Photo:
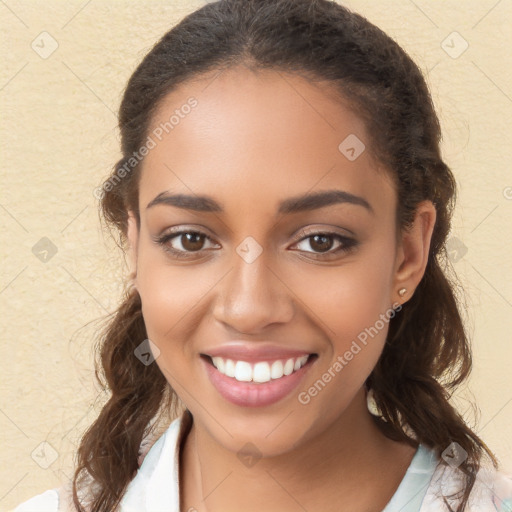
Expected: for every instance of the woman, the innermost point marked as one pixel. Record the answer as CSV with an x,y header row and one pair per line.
x,y
285,207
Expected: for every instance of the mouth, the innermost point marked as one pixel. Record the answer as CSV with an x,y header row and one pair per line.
x,y
260,372
256,383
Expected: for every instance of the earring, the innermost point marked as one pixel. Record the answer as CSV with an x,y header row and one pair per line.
x,y
402,292
373,408
372,404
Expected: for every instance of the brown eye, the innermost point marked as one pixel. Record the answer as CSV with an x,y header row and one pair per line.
x,y
183,244
325,244
321,243
192,241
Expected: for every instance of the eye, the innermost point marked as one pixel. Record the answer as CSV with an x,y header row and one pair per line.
x,y
184,243
322,243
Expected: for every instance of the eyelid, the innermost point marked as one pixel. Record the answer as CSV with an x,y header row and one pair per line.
x,y
182,229
331,231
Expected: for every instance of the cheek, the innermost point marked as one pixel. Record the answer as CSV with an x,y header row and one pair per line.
x,y
351,297
355,319
172,296
350,303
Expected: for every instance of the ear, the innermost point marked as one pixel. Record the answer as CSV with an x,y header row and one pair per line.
x,y
132,235
412,253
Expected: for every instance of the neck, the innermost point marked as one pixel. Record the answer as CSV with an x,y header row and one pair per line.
x,y
345,462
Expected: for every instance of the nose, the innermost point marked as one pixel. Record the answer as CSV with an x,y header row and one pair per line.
x,y
253,296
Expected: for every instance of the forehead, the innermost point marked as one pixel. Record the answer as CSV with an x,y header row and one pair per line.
x,y
253,138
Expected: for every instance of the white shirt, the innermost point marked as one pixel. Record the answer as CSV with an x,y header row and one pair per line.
x,y
155,487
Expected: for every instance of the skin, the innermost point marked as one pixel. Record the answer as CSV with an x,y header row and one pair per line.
x,y
253,140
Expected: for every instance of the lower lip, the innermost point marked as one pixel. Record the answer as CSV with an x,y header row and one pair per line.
x,y
252,394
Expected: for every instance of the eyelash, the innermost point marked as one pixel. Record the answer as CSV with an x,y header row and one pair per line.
x,y
347,244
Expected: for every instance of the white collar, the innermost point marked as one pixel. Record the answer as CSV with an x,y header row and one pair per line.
x,y
155,487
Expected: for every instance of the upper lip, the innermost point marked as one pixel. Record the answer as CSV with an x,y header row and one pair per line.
x,y
242,351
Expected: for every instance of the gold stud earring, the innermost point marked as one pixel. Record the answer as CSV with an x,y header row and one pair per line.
x,y
402,292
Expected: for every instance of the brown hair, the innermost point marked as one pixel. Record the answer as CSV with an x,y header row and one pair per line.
x,y
426,354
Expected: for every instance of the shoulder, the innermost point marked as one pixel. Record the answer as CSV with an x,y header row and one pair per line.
x,y
155,486
46,502
491,492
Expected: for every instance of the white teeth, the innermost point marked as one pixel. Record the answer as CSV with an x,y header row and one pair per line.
x,y
229,368
288,367
218,362
277,370
243,371
260,372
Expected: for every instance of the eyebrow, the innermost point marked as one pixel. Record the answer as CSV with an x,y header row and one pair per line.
x,y
305,202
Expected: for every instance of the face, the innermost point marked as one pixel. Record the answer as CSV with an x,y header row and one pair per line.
x,y
235,263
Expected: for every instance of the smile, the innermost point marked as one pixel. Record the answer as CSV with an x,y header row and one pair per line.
x,y
261,372
257,383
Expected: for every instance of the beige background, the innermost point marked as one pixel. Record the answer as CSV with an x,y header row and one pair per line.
x,y
59,138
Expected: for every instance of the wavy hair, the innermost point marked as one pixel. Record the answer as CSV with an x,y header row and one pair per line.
x,y
427,353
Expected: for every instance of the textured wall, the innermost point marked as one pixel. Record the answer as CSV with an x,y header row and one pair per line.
x,y
60,274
